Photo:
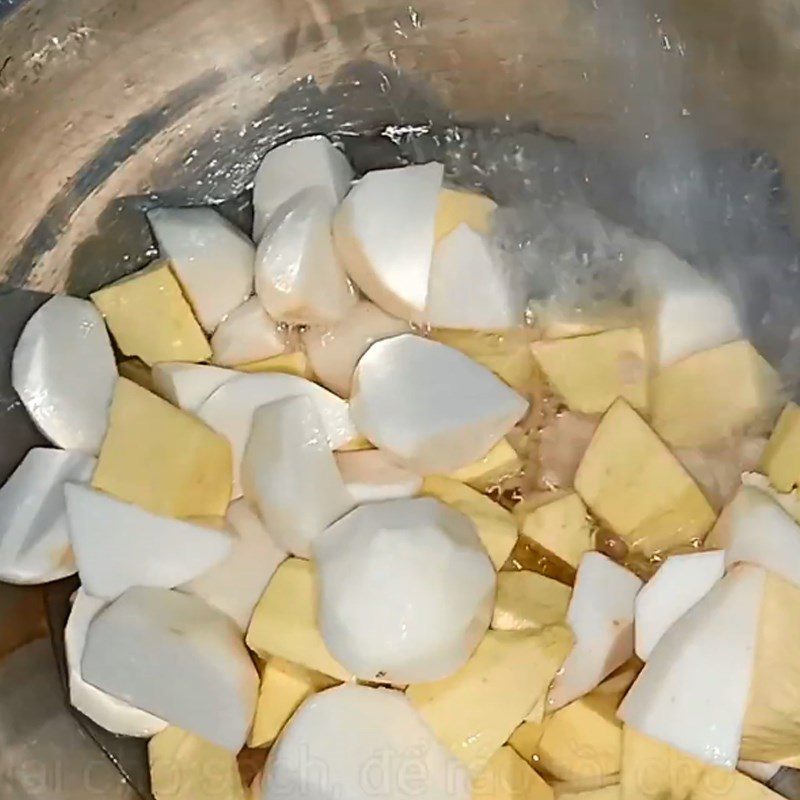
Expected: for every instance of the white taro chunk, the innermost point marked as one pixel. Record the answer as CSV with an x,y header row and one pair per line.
x,y
406,590
298,275
173,655
34,535
471,287
384,232
64,372
354,742
188,385
429,406
601,614
108,712
289,474
334,351
311,161
229,411
247,334
119,545
212,259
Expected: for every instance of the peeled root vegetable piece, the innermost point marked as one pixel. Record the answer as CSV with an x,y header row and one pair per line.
x,y
429,406
475,711
150,318
287,453
687,312
781,459
188,385
405,590
63,370
335,350
298,275
499,463
34,535
679,697
459,207
289,363
344,728
591,372
247,334
212,259
384,233
235,584
635,486
369,477
162,459
681,582
174,656
185,767
230,409
284,623
601,617
754,529
107,711
470,287
284,687
529,601
118,545
286,170
508,777
561,527
715,394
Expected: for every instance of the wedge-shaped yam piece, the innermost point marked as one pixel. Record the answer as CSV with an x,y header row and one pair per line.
x,y
150,318
294,166
470,286
63,370
591,372
561,527
174,656
713,395
507,354
290,363
755,529
496,526
345,728
161,458
781,459
284,624
631,481
369,477
108,712
230,409
287,453
185,767
334,350
508,777
681,582
284,687
601,617
384,232
475,711
247,334
499,463
429,406
679,697
298,275
527,601
188,385
687,312
212,259
118,545
235,584
405,590
34,535
459,207
582,742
